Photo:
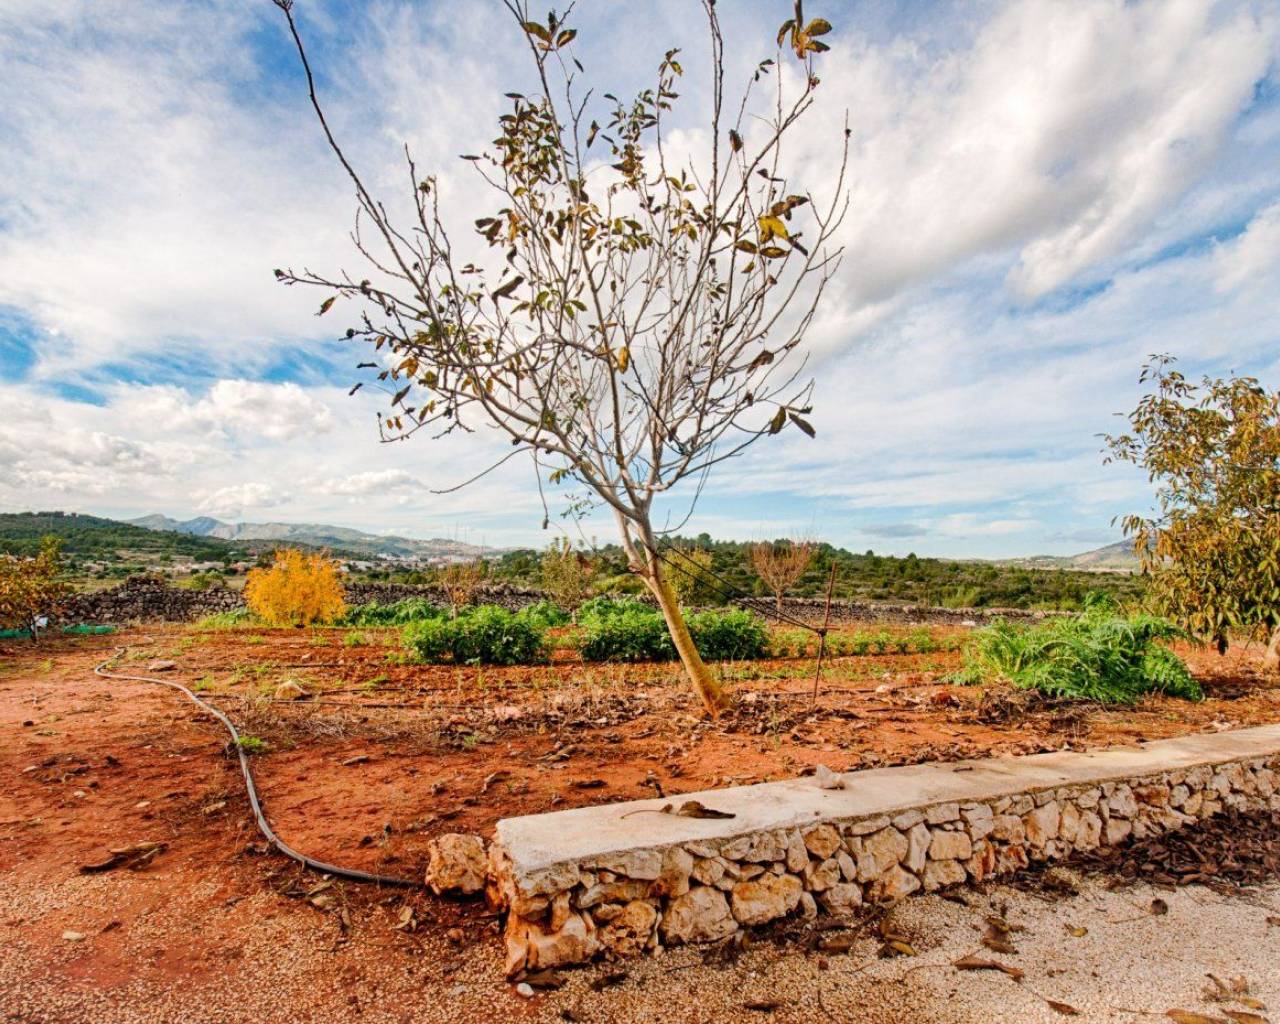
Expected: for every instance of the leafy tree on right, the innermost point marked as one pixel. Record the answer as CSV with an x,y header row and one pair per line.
x,y
1212,546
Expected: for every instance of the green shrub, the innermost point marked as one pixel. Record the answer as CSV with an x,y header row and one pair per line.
x,y
733,634
482,635
607,607
633,631
859,643
623,631
880,642
1100,655
398,613
544,614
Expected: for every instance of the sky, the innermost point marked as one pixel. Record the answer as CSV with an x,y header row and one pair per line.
x,y
1042,194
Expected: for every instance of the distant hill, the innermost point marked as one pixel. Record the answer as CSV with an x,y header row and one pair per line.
x,y
319,535
91,537
1117,557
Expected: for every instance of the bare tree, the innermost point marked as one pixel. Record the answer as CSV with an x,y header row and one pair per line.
x,y
782,565
633,327
460,581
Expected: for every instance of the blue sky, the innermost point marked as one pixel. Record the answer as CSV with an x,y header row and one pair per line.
x,y
1042,194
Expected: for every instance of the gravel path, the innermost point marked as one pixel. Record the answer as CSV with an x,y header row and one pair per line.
x,y
218,957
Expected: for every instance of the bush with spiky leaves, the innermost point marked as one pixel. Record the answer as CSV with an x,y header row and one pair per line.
x,y
1101,655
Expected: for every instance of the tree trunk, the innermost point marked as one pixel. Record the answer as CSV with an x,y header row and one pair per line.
x,y
777,603
704,682
1271,660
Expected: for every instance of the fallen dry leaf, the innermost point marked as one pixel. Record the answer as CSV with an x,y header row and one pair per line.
x,y
1066,1009
1191,1017
977,963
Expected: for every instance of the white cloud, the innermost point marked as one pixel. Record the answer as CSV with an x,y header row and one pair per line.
x,y
384,481
1254,255
241,499
155,174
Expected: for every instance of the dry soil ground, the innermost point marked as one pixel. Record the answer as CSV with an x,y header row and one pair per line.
x,y
387,754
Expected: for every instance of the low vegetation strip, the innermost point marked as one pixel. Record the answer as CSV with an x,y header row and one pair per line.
x,y
626,879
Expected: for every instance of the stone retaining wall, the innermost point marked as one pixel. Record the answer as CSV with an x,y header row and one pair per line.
x,y
151,599
812,609
625,879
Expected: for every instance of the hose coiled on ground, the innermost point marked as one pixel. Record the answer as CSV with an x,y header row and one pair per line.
x,y
264,826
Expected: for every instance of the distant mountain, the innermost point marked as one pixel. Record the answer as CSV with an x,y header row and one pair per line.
x,y
1119,555
92,537
319,535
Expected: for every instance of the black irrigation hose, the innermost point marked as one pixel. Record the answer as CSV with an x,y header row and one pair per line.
x,y
260,816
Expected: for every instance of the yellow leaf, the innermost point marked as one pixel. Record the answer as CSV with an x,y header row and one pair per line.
x,y
624,359
771,227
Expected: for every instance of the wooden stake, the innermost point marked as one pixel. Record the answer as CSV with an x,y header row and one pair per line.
x,y
822,635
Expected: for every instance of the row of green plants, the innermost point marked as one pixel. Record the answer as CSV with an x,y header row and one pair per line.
x,y
608,630
801,644
1103,654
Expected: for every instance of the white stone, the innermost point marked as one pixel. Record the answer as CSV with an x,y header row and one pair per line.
x,y
827,779
797,853
642,864
1008,828
768,898
950,846
894,884
1089,834
1118,830
629,932
456,862
940,873
673,880
707,871
822,841
700,915
888,847
1069,823
1041,825
940,814
843,899
820,876
1122,803
918,840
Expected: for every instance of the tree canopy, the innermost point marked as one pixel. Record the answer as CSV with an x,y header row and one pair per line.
x,y
1212,545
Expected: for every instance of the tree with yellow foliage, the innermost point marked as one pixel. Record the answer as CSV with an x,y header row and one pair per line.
x,y
297,590
31,588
